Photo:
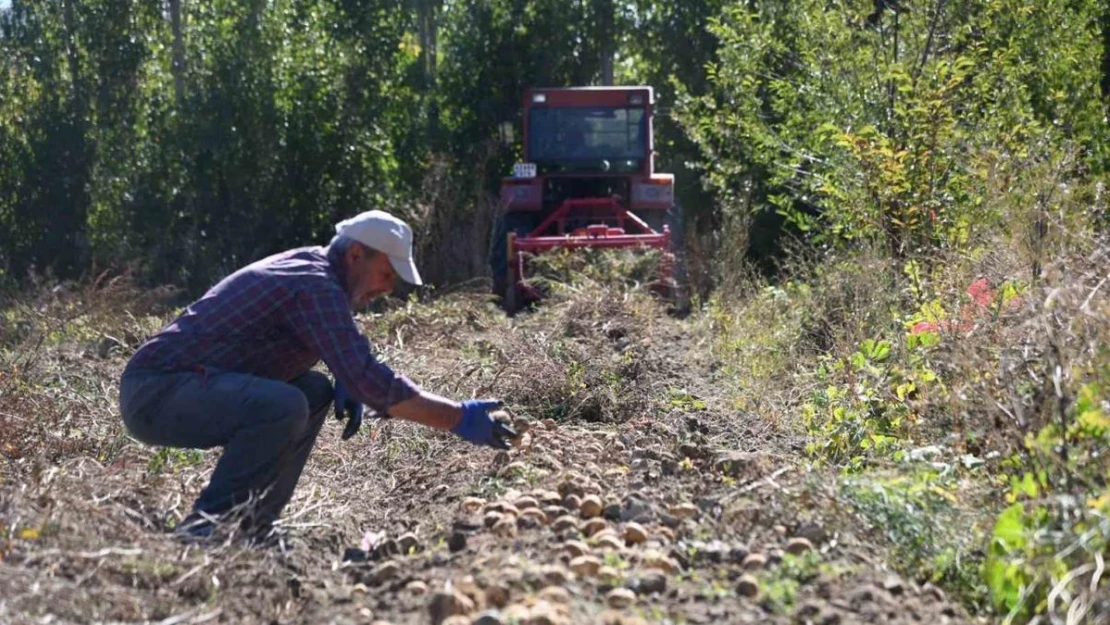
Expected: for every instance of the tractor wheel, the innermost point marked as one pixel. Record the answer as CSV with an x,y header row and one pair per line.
x,y
678,292
681,295
504,284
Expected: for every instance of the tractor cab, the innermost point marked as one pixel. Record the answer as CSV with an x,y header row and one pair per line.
x,y
587,179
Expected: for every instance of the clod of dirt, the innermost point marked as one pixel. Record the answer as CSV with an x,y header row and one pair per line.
x,y
694,451
585,565
554,594
894,585
522,425
576,548
594,526
612,511
553,575
620,598
667,534
655,560
812,530
684,510
457,542
554,512
798,545
489,617
354,554
544,613
742,464
417,588
936,592
862,596
570,487
516,613
549,424
591,507
713,552
754,561
409,543
497,595
564,523
747,586
386,549
808,610
780,530
737,554
608,575
650,583
445,604
532,518
616,618
637,510
513,469
572,501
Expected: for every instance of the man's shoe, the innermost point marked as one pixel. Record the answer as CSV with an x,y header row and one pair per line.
x,y
267,536
196,528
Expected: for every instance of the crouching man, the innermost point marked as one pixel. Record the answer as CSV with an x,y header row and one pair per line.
x,y
234,371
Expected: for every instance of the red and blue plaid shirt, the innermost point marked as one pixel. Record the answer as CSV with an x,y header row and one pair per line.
x,y
277,318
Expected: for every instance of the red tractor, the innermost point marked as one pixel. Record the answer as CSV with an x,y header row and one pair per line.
x,y
587,180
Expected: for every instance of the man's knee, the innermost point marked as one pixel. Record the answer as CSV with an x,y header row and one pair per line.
x,y
317,390
282,404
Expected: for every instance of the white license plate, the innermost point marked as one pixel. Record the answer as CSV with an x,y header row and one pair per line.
x,y
524,170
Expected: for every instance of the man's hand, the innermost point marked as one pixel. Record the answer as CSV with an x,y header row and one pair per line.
x,y
478,427
347,408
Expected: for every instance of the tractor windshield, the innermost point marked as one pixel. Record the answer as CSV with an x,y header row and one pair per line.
x,y
587,139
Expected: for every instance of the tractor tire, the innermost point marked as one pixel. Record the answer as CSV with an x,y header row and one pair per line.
x,y
504,286
678,294
681,296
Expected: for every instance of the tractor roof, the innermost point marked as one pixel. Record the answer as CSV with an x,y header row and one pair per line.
x,y
588,96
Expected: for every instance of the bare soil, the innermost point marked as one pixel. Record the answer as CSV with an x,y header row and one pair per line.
x,y
635,473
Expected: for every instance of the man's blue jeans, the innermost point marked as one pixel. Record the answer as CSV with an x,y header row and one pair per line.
x,y
266,427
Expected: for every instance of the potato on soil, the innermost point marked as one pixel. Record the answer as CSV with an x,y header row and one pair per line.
x,y
620,598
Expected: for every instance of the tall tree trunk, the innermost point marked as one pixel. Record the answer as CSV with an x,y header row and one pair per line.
x,y
428,26
608,39
1105,23
176,22
70,243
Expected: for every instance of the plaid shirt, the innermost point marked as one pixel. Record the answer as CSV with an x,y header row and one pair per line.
x,y
277,318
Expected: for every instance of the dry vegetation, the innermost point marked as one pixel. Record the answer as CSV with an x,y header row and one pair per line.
x,y
758,461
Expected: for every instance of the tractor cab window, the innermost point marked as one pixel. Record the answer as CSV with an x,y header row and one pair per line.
x,y
587,139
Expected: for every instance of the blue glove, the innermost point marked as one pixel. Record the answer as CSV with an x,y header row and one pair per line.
x,y
347,408
479,428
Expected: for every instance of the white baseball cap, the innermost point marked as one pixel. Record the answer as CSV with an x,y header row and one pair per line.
x,y
385,233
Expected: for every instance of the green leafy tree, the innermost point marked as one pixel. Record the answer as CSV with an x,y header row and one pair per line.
x,y
863,125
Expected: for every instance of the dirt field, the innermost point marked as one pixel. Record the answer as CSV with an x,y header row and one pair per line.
x,y
638,494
